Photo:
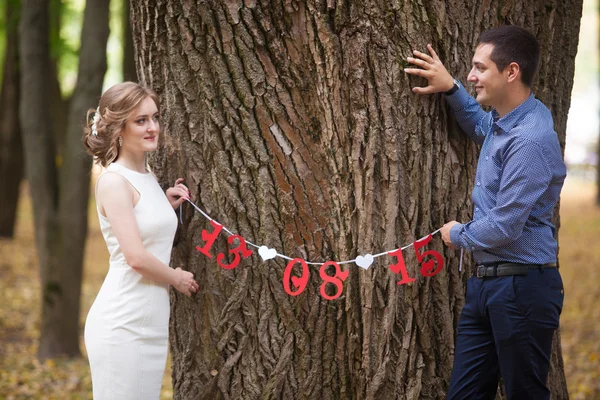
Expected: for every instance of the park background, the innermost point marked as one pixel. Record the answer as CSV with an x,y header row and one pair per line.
x,y
23,376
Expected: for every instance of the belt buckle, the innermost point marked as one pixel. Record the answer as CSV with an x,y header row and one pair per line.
x,y
480,271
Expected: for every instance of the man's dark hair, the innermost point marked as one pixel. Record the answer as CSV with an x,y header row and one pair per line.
x,y
514,44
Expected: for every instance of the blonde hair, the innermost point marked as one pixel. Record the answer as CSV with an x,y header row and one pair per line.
x,y
114,108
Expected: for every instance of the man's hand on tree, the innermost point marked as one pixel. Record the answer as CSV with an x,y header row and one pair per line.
x,y
432,69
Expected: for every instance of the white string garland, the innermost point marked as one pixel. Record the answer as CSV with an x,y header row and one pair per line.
x,y
383,253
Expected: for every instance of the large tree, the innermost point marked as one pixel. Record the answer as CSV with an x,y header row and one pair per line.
x,y
59,186
295,126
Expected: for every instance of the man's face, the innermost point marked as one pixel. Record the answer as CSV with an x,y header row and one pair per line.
x,y
490,83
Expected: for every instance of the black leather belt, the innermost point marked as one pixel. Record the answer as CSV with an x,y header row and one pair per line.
x,y
507,269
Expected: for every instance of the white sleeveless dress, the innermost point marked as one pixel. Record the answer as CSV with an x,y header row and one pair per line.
x,y
126,331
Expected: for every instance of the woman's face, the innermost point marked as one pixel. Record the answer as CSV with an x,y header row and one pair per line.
x,y
141,130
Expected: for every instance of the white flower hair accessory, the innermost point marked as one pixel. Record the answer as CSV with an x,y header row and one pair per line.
x,y
95,124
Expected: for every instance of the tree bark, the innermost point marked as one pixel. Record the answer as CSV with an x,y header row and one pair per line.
x,y
59,190
294,125
59,104
11,149
129,72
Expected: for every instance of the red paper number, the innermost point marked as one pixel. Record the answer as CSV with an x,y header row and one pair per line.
x,y
238,253
299,282
209,238
400,267
342,275
428,267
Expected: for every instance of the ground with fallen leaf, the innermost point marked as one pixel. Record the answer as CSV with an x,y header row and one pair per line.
x,y
22,376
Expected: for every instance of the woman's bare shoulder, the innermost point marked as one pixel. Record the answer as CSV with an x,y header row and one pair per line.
x,y
110,182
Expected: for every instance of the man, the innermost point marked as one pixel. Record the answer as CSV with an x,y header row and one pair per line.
x,y
514,300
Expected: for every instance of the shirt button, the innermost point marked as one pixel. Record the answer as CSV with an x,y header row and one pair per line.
x,y
478,183
487,158
476,208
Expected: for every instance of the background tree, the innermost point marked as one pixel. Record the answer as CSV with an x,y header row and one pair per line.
x,y
294,125
11,149
129,73
59,186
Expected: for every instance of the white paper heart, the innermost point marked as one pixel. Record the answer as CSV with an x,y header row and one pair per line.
x,y
364,261
267,253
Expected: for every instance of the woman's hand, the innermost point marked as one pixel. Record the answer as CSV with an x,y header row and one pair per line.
x,y
185,283
178,193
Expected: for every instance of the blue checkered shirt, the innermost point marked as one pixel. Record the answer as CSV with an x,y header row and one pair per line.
x,y
520,173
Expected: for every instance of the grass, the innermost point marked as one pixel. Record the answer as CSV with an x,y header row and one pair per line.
x,y
22,376
579,241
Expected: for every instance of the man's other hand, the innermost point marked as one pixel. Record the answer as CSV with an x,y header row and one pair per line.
x,y
432,69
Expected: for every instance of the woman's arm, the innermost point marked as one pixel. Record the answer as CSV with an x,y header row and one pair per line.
x,y
116,199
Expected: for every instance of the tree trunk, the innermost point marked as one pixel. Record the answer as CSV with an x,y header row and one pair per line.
x,y
129,72
59,105
59,190
11,149
294,126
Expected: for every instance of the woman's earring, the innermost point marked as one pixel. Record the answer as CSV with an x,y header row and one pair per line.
x,y
120,141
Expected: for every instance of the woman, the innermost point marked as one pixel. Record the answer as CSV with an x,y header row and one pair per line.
x,y
126,331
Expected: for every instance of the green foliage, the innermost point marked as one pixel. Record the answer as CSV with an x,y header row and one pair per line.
x,y
66,21
66,43
116,43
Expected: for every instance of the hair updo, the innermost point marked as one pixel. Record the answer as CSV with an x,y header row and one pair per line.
x,y
114,108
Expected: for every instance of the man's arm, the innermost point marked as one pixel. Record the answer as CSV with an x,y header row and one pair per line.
x,y
525,178
467,111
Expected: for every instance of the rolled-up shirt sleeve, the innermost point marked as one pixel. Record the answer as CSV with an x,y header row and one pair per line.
x,y
526,176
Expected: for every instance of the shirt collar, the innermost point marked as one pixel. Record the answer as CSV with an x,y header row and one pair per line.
x,y
511,119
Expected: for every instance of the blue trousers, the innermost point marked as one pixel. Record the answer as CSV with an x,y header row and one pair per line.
x,y
505,329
